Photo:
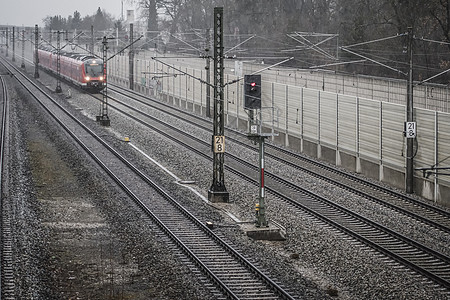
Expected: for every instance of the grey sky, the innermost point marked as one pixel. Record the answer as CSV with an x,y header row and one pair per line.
x,y
31,12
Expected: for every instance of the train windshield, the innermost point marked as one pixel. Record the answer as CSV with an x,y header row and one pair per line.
x,y
94,69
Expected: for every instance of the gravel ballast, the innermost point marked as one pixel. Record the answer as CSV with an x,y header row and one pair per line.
x,y
77,237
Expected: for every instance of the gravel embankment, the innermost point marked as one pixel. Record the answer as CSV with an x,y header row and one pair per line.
x,y
61,195
75,235
326,258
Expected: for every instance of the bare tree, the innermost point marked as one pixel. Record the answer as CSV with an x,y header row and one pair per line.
x,y
440,10
149,8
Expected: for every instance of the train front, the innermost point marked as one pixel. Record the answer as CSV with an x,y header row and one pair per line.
x,y
93,76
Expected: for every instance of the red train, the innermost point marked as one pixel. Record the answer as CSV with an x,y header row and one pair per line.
x,y
83,70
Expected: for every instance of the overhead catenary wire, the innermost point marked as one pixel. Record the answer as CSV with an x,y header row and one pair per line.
x,y
275,47
377,40
374,61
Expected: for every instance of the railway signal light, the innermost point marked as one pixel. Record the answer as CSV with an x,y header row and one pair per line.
x,y
252,91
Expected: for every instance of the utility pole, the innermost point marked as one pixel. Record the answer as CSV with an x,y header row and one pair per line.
x,y
14,44
410,117
121,15
208,74
7,46
103,117
131,60
58,63
217,191
36,53
92,39
22,65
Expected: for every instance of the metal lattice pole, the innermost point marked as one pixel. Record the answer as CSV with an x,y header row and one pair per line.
x,y
410,118
58,63
36,55
7,38
218,192
14,44
105,83
208,75
22,65
92,39
131,60
103,117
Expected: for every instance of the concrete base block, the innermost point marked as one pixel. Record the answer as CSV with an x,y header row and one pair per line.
x,y
218,196
104,121
271,233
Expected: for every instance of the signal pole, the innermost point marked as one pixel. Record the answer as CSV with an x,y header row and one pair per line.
x,y
218,191
252,103
260,208
257,136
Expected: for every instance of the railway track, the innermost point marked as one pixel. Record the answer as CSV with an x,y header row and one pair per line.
x,y
423,260
6,266
423,212
232,275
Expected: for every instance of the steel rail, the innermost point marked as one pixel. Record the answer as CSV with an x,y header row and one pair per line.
x,y
6,253
445,215
227,291
420,269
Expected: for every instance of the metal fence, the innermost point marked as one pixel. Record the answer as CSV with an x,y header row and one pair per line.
x,y
427,96
356,124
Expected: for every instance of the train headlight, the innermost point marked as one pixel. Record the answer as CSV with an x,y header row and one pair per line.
x,y
101,78
87,78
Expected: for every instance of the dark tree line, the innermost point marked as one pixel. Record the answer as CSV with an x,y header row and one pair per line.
x,y
100,20
276,23
355,21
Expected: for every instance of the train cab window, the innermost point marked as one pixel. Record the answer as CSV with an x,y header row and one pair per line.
x,y
94,69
